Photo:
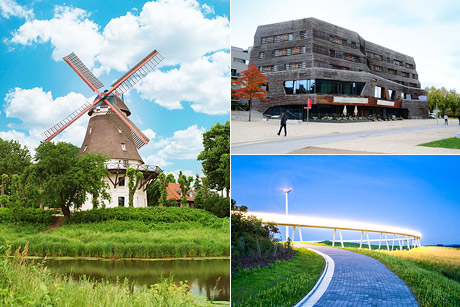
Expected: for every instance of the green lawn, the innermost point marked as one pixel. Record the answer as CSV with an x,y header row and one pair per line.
x,y
453,143
283,283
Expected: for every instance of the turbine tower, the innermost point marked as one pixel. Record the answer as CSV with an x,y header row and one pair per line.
x,y
110,131
286,191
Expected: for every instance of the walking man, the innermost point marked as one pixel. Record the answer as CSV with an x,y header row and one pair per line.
x,y
283,123
446,120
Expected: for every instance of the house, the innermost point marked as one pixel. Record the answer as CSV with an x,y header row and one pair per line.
x,y
174,193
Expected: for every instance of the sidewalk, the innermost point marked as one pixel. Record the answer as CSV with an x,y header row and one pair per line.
x,y
390,137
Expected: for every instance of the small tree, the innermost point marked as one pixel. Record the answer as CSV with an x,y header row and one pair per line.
x,y
3,200
184,184
250,82
133,182
164,181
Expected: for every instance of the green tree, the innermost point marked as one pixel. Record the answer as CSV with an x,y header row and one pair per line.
x,y
134,180
14,158
67,178
215,156
453,101
3,198
184,184
164,181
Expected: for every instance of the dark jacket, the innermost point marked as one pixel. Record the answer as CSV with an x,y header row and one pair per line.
x,y
283,119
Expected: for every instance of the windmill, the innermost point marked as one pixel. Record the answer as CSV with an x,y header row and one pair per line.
x,y
110,131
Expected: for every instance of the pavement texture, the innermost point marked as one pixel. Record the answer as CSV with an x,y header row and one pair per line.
x,y
359,280
390,137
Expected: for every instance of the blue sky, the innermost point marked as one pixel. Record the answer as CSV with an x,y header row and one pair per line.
x,y
185,96
422,29
415,192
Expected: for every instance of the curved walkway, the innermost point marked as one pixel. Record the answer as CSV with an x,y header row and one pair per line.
x,y
359,280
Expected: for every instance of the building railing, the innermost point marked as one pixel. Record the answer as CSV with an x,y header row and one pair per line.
x,y
136,166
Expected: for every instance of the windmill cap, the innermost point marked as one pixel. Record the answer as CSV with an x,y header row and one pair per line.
x,y
116,100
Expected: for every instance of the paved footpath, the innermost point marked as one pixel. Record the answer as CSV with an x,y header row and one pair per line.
x,y
359,280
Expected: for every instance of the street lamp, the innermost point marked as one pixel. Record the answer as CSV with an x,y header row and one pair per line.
x,y
286,191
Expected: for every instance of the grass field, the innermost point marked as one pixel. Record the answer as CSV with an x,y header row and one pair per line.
x,y
283,283
453,143
130,233
22,284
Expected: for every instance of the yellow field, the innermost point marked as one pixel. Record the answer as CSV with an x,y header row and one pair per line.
x,y
432,254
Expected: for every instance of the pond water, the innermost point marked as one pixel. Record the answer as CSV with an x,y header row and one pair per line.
x,y
207,277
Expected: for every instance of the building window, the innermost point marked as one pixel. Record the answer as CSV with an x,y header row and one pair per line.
x,y
411,66
378,57
238,60
392,71
288,66
405,74
123,147
414,76
289,87
303,49
121,201
353,45
268,68
331,53
90,129
234,73
378,92
303,34
396,62
288,51
86,147
119,130
376,68
290,37
121,182
275,67
261,55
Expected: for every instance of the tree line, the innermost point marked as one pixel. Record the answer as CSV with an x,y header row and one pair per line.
x,y
57,177
447,101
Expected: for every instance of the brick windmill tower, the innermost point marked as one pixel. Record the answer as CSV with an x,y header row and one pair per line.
x,y
110,131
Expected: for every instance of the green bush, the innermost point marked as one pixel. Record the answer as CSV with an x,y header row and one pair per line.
x,y
27,215
217,205
147,214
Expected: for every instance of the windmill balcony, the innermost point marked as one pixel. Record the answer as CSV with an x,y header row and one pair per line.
x,y
123,166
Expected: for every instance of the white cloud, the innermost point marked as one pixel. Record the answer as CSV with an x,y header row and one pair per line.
x,y
69,30
207,9
204,83
10,8
149,133
38,111
184,144
185,172
178,29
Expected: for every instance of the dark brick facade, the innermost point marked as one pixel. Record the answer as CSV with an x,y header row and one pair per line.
x,y
313,49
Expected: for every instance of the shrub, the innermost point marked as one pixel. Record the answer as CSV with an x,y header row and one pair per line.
x,y
27,215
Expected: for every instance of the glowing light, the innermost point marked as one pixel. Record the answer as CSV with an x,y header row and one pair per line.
x,y
315,222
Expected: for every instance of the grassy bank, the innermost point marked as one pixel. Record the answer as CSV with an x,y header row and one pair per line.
x,y
283,283
431,273
22,284
453,143
125,233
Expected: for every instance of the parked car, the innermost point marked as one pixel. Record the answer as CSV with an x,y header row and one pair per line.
x,y
432,115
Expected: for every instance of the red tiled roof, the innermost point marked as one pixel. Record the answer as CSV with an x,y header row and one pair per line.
x,y
175,193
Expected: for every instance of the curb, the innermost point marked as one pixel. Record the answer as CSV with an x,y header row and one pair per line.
x,y
321,285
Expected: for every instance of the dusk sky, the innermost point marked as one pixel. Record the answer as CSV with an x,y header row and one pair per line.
x,y
416,192
173,105
422,29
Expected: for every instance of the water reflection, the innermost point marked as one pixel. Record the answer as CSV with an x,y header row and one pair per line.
x,y
209,278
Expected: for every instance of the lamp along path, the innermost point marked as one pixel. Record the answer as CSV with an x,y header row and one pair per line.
x,y
354,279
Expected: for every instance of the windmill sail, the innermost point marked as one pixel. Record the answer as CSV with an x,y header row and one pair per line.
x,y
77,65
136,73
49,134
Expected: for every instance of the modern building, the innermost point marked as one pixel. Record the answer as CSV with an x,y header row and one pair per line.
x,y
240,62
337,69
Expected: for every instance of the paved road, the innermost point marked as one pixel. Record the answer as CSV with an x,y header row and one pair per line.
x,y
285,146
359,280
